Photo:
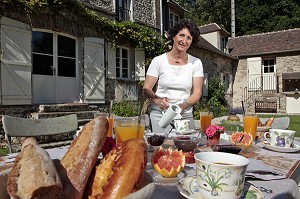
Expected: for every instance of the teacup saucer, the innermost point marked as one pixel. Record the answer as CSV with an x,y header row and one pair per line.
x,y
185,132
295,148
189,188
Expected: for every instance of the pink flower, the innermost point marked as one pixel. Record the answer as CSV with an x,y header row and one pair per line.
x,y
212,129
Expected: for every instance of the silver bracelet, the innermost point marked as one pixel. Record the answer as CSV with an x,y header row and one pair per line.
x,y
188,105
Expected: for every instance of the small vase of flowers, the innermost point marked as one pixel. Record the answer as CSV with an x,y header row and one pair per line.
x,y
213,134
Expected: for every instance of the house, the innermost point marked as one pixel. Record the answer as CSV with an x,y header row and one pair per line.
x,y
215,35
56,56
268,71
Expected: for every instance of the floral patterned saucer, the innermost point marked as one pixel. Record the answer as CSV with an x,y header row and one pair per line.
x,y
189,188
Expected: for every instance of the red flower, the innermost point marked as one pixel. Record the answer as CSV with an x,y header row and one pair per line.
x,y
212,129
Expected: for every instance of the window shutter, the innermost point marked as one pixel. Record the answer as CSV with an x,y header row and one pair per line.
x,y
205,85
111,66
16,63
139,64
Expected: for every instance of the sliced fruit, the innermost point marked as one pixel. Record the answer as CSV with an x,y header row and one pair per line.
x,y
168,163
241,139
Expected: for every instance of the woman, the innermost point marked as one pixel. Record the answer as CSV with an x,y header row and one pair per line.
x,y
179,76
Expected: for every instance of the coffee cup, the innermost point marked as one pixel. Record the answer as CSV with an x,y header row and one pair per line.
x,y
220,175
280,137
173,111
182,125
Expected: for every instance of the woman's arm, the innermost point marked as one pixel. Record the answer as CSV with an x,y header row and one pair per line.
x,y
150,81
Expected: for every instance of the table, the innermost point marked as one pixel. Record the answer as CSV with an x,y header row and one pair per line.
x,y
283,188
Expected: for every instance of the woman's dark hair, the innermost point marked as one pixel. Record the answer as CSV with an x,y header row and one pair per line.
x,y
185,23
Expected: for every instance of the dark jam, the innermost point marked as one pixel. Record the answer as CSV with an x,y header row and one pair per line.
x,y
156,140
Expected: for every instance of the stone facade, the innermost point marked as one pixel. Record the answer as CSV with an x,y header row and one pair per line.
x,y
144,12
285,63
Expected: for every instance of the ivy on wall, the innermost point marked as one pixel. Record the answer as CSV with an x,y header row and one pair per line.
x,y
116,32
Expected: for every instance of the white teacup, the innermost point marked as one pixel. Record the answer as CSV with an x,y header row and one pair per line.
x,y
182,125
280,137
220,175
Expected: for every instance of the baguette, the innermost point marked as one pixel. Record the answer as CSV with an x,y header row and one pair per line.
x,y
78,162
269,122
34,174
119,173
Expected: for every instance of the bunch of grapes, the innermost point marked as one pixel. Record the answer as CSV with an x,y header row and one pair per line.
x,y
280,141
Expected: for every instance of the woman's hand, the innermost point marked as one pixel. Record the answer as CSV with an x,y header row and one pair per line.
x,y
183,106
163,103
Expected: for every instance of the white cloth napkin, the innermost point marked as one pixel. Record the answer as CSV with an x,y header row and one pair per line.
x,y
259,170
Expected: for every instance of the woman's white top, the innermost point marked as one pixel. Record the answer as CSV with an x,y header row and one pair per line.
x,y
175,81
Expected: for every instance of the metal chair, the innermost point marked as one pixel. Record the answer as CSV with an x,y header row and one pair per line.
x,y
24,127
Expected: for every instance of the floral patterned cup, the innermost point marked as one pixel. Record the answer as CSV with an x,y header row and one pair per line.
x,y
220,175
280,137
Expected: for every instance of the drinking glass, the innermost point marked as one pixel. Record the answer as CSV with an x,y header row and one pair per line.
x,y
129,128
205,120
250,125
110,119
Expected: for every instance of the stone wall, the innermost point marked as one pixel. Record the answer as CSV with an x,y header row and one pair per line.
x,y
144,12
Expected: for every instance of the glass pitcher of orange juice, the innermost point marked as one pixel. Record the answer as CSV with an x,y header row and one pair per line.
x,y
129,128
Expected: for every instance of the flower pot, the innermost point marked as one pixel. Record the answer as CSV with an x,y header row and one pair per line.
x,y
214,140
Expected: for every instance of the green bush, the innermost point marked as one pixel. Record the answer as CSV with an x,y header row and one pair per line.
x,y
126,108
215,102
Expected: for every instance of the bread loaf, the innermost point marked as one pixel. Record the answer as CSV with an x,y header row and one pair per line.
x,y
34,174
78,162
119,173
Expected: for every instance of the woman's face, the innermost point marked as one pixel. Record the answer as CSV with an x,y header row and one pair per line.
x,y
183,40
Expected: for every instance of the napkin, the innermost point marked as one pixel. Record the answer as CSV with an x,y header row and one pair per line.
x,y
259,170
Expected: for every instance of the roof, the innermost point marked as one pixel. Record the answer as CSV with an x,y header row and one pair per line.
x,y
265,43
212,27
204,44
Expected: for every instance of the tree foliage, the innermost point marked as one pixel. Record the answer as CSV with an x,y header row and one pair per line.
x,y
251,16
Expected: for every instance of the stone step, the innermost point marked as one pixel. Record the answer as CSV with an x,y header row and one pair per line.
x,y
74,107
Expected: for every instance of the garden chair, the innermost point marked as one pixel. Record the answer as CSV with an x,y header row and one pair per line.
x,y
25,127
278,123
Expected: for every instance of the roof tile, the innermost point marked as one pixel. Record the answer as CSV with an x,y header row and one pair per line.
x,y
265,43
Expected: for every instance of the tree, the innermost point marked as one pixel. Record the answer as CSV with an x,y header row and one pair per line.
x,y
251,16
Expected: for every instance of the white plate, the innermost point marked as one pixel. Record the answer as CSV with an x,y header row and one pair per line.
x,y
189,188
295,148
232,123
263,128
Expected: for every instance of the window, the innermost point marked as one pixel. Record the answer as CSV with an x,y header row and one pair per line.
x,y
53,54
268,65
174,18
122,63
223,44
123,9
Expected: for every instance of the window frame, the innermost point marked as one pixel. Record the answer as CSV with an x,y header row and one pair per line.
x,y
172,20
121,67
55,53
268,66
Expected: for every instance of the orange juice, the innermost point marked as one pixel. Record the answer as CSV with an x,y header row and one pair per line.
x,y
205,121
110,128
129,132
250,125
